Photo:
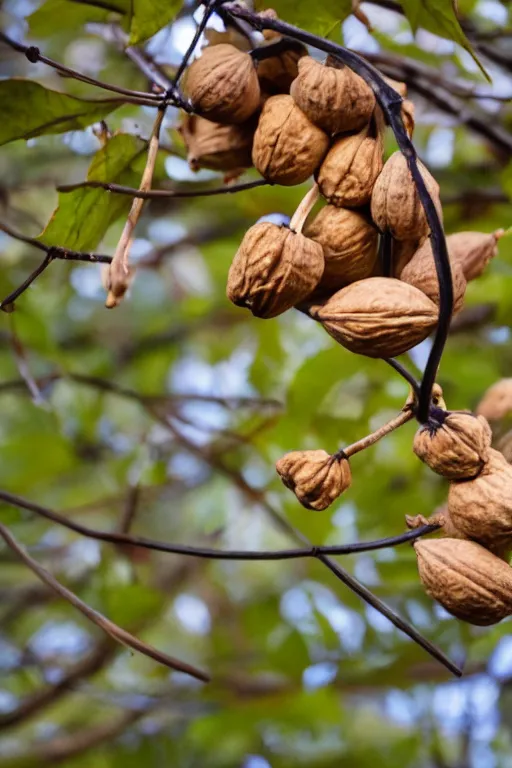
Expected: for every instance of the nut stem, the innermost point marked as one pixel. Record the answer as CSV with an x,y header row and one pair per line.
x,y
403,417
304,209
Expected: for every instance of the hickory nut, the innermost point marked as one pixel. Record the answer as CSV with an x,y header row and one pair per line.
x,y
421,272
316,478
350,244
378,317
287,147
350,169
216,146
496,406
473,250
223,85
336,99
482,508
470,583
274,269
396,206
454,444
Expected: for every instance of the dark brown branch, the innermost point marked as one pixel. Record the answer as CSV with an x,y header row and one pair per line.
x,y
7,305
116,632
215,554
153,194
34,55
258,496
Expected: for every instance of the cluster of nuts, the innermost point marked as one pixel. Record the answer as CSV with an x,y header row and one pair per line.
x,y
293,117
467,570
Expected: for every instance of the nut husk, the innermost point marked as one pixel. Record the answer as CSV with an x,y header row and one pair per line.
x,y
350,244
473,250
215,146
315,477
274,269
396,206
350,169
421,272
336,99
223,85
468,581
496,403
482,508
496,406
287,147
378,317
454,444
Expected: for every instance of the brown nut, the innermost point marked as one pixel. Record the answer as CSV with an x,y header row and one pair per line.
x,y
496,404
421,272
468,581
473,250
396,206
277,73
215,146
454,444
350,243
378,317
482,508
316,478
350,169
336,99
274,269
223,85
287,147
403,251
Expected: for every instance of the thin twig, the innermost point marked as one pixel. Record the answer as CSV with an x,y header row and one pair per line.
x,y
7,305
404,373
207,552
116,632
361,445
209,6
34,55
155,194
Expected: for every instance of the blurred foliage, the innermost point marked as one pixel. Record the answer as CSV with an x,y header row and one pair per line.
x,y
303,673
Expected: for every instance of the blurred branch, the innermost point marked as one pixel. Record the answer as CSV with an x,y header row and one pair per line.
x,y
103,652
112,629
473,317
446,96
153,194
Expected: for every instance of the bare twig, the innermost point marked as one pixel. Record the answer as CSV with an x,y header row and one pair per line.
x,y
208,552
34,55
406,415
116,632
155,194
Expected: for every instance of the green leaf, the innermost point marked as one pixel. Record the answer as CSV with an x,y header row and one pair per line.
x,y
149,16
84,215
71,15
439,17
30,109
326,15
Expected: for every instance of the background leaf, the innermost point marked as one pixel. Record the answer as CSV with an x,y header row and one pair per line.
x,y
29,109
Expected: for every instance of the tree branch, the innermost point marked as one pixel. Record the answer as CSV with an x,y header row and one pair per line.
x,y
116,632
155,194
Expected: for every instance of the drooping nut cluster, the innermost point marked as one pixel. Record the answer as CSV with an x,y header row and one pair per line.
x,y
362,265
467,571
